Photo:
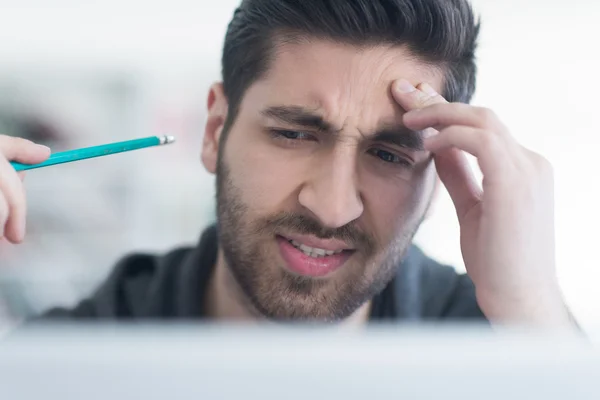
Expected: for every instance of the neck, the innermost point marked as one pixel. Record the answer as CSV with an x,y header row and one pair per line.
x,y
226,301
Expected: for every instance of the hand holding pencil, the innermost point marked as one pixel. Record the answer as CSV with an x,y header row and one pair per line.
x,y
18,154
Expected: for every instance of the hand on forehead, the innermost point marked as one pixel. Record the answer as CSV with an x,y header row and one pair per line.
x,y
349,87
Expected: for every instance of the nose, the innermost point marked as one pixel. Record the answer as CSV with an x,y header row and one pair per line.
x,y
332,194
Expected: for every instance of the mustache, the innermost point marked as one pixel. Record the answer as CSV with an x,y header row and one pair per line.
x,y
302,224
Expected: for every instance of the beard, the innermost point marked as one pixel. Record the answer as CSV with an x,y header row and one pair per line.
x,y
251,255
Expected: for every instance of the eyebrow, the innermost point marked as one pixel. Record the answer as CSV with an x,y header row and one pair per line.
x,y
299,116
397,135
400,136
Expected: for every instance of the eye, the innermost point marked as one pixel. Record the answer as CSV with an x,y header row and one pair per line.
x,y
291,135
390,158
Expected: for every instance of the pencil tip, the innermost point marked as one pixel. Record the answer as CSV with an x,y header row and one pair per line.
x,y
167,139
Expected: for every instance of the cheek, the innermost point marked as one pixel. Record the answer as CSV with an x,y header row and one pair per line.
x,y
397,205
267,179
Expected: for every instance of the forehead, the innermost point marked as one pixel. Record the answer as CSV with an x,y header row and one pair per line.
x,y
339,80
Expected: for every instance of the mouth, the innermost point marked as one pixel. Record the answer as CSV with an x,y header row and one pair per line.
x,y
312,261
313,252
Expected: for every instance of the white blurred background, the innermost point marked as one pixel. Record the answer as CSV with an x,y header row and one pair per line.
x,y
76,73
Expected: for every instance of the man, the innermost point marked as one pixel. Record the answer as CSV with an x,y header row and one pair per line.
x,y
325,135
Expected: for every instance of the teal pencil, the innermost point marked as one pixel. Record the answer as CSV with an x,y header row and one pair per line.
x,y
97,151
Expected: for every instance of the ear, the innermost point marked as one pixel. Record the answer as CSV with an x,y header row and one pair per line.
x,y
217,115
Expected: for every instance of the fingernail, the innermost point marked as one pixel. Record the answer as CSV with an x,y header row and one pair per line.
x,y
404,86
428,89
41,146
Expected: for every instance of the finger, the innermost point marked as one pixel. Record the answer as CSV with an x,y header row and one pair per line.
x,y
489,149
23,150
12,190
3,215
457,176
411,97
443,115
21,175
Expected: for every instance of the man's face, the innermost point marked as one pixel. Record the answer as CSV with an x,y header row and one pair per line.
x,y
320,189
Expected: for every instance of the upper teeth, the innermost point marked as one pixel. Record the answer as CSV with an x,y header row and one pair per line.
x,y
314,251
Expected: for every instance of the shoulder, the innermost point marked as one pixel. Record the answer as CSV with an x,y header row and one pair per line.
x,y
139,285
438,291
147,283
152,286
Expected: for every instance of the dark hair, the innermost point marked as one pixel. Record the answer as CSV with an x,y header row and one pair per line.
x,y
442,33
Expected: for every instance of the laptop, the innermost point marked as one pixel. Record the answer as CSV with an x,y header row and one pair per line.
x,y
186,362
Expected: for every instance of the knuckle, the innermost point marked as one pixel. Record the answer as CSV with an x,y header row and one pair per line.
x,y
11,144
433,100
421,99
541,164
486,116
489,142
